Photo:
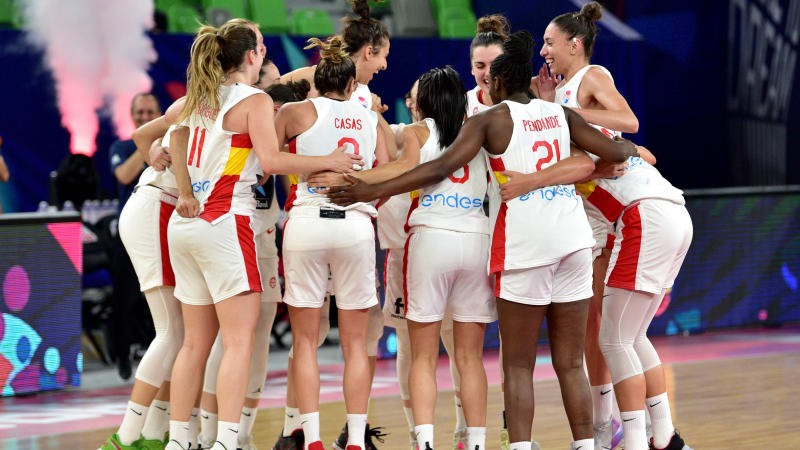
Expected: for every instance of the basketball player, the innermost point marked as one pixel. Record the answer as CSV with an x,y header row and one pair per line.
x,y
211,239
540,244
589,89
265,219
143,230
346,245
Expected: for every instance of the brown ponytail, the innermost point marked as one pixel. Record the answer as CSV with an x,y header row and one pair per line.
x,y
214,53
336,69
363,30
581,25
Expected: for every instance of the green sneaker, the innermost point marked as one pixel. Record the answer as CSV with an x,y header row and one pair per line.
x,y
113,443
150,444
505,443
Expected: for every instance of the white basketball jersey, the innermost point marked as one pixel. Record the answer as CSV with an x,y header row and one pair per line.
x,y
164,180
362,96
392,217
222,164
455,203
605,198
542,226
338,123
474,104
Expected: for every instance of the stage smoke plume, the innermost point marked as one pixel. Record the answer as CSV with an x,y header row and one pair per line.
x,y
99,53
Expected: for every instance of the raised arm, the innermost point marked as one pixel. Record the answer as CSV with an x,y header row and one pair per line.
x,y
303,73
458,154
616,115
593,141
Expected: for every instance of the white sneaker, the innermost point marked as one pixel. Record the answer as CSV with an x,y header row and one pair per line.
x,y
173,445
246,443
460,439
603,434
203,443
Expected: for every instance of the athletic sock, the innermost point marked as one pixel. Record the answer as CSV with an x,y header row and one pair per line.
x,y
661,419
157,422
247,420
132,423
505,424
208,425
524,445
356,425
179,432
310,423
476,438
634,428
602,401
461,421
424,435
409,418
194,425
227,435
291,421
583,444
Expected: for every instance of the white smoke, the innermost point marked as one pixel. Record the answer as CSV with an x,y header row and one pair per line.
x,y
99,53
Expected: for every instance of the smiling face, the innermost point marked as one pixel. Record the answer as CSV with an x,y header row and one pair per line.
x,y
371,61
482,58
560,52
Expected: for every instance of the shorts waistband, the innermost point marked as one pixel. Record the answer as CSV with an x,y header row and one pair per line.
x,y
156,193
316,211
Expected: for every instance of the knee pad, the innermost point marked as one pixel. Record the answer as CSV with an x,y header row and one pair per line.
x,y
617,348
646,352
156,364
374,329
212,366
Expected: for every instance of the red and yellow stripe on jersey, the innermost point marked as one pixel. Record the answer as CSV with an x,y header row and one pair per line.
x,y
219,201
497,253
601,199
291,197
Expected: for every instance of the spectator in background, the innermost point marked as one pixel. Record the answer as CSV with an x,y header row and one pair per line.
x,y
4,173
127,164
268,75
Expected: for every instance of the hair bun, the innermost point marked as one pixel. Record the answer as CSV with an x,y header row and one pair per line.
x,y
591,12
360,7
519,47
300,88
495,23
332,50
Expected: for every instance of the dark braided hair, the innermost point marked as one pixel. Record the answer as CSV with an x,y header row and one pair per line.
x,y
515,66
581,25
442,97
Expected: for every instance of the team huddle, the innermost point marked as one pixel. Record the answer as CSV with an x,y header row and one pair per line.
x,y
515,201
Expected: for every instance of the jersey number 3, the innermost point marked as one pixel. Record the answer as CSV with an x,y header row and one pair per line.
x,y
197,147
348,140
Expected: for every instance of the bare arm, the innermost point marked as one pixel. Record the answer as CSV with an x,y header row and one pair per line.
x,y
145,135
646,155
126,172
408,160
459,153
592,140
616,114
304,73
187,205
388,151
566,171
5,174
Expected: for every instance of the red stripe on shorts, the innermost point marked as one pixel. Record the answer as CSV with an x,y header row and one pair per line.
x,y
610,241
405,276
606,203
248,245
414,205
497,277
167,276
498,250
623,275
385,272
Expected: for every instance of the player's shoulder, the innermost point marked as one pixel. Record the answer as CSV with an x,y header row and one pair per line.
x,y
597,75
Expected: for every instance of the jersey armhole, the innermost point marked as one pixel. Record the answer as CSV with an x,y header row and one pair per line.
x,y
226,110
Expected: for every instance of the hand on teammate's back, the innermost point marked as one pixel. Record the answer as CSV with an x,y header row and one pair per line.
x,y
342,162
322,180
187,206
629,147
605,169
353,191
514,187
159,156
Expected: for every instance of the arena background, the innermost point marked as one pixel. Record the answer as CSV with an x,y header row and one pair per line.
x,y
711,83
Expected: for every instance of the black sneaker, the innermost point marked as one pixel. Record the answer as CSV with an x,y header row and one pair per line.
x,y
341,442
676,443
376,433
294,441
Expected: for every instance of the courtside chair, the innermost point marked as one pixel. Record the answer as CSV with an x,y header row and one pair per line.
x,y
7,13
311,22
270,15
456,23
217,12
